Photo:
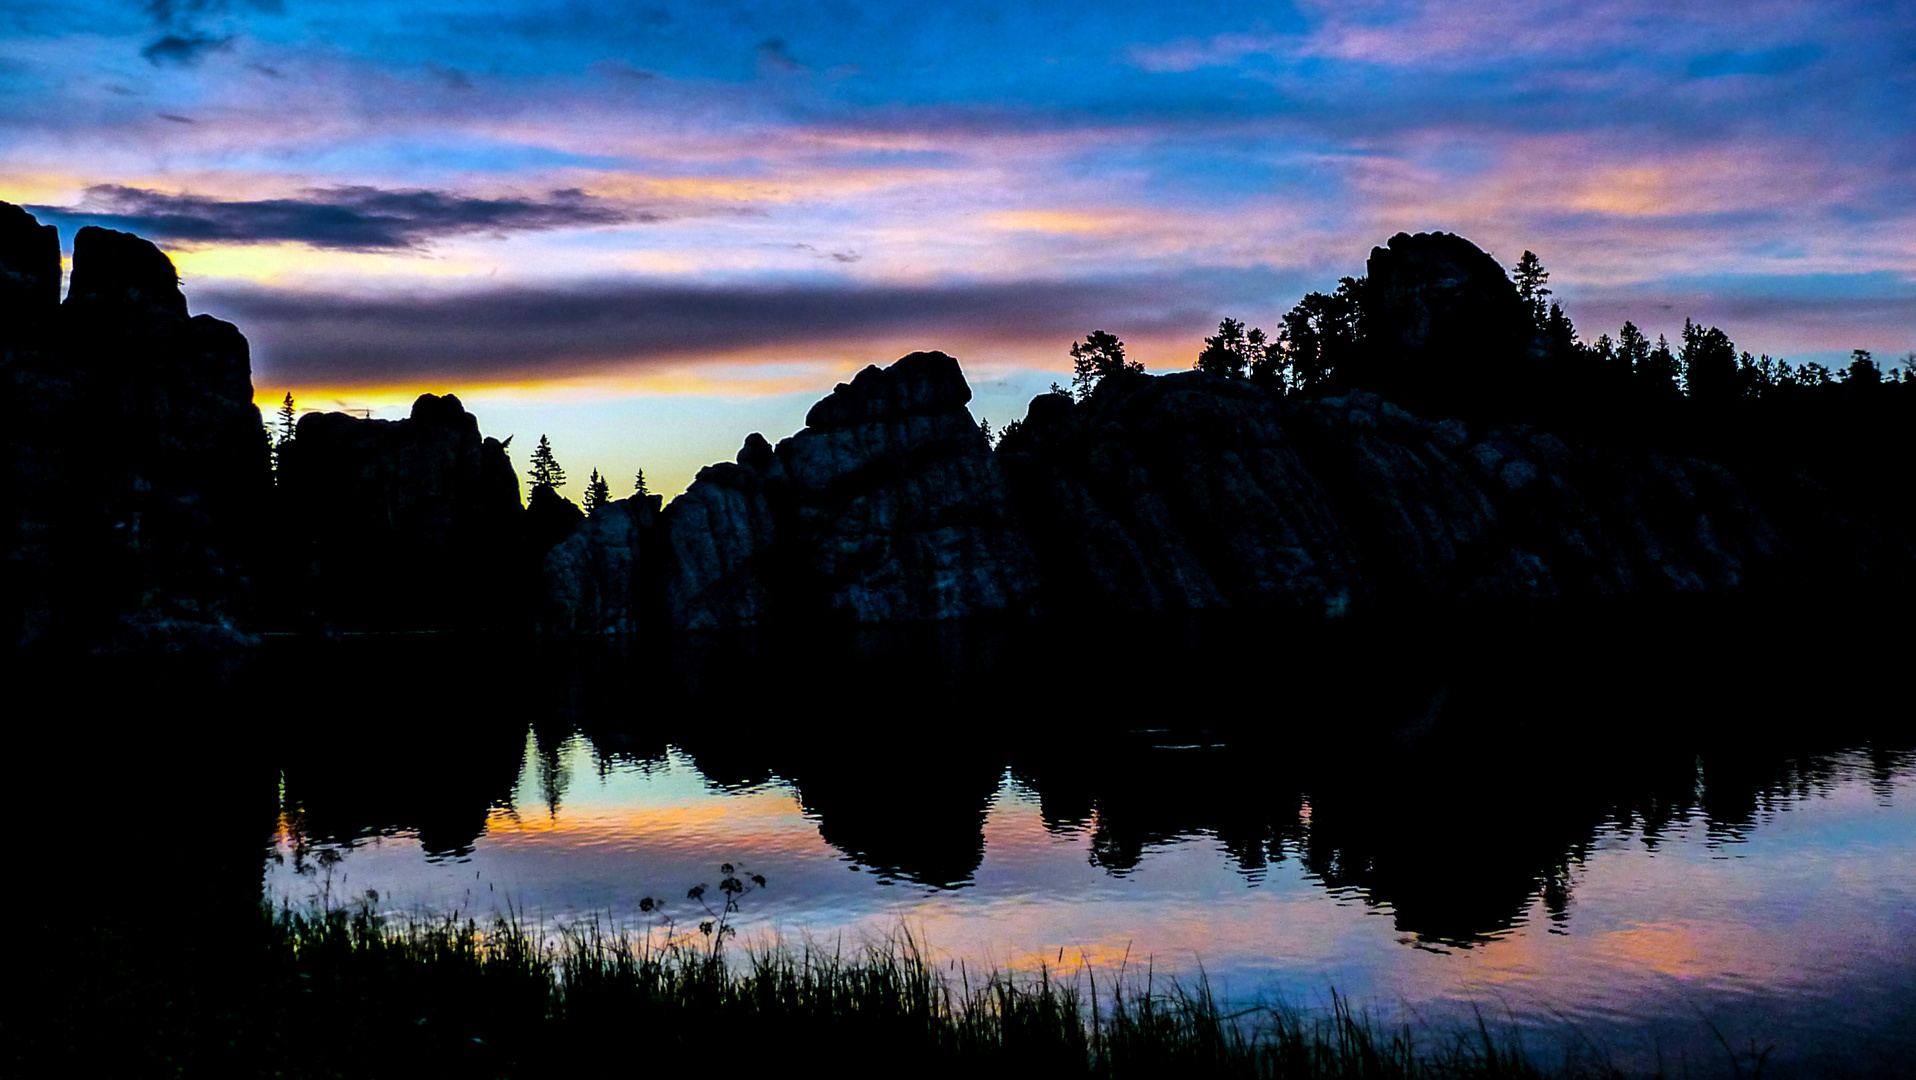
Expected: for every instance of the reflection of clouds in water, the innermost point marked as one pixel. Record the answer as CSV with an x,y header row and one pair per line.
x,y
1817,889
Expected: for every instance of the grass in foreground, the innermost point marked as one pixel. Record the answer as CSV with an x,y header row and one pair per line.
x,y
332,991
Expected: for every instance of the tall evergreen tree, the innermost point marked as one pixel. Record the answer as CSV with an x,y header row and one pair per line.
x,y
1633,349
638,485
1530,276
287,420
1561,332
1659,370
597,493
1322,332
1709,366
545,471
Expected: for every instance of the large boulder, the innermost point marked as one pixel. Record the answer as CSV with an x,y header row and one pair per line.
x,y
1445,332
410,523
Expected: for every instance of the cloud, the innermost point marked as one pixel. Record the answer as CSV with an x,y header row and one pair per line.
x,y
184,50
349,218
166,13
524,334
775,57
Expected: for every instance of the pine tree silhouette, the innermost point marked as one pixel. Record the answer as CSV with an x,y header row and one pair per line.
x,y
597,492
545,471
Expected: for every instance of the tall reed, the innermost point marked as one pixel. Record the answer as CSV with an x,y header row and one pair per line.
x,y
367,992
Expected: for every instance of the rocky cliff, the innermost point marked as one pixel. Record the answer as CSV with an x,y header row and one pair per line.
x,y
1188,493
1193,492
887,507
401,524
137,464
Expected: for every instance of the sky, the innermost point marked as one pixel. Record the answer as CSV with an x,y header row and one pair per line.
x,y
647,229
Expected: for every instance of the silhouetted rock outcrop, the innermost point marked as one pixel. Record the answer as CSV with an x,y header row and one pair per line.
x,y
888,506
1190,492
403,523
1172,494
1446,332
29,270
1193,492
139,463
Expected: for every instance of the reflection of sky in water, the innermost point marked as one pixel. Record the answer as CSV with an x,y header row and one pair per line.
x,y
1795,930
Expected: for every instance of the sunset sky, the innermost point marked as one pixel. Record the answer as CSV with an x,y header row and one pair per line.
x,y
648,229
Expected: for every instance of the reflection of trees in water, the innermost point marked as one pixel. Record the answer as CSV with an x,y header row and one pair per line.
x,y
1455,786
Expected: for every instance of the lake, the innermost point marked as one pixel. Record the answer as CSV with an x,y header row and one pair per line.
x,y
1644,837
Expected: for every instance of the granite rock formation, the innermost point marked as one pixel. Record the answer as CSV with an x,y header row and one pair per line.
x,y
136,455
1174,493
1191,492
887,507
603,577
1446,333
402,524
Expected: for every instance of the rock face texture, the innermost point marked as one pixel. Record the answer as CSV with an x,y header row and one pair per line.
x,y
887,507
1192,492
137,457
1180,493
1174,494
603,578
403,523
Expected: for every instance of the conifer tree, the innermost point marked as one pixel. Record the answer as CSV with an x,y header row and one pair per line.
x,y
638,485
287,420
1633,349
545,471
1233,351
1098,355
597,493
1660,369
1530,276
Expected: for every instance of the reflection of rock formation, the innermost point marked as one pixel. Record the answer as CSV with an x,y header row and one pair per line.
x,y
402,524
914,809
439,740
135,460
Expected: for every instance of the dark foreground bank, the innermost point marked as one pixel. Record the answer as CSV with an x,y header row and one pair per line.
x,y
341,991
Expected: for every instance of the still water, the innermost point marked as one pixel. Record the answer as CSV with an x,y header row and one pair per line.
x,y
1660,874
